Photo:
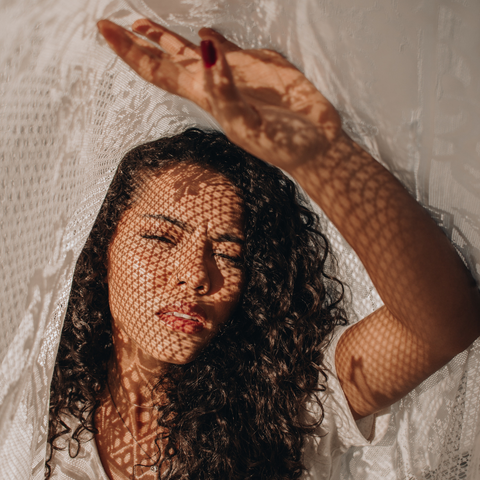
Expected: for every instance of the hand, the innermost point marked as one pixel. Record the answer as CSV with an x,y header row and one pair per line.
x,y
263,103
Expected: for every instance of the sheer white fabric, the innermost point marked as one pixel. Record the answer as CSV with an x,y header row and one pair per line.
x,y
402,74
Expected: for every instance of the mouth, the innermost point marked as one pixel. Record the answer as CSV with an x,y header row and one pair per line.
x,y
186,318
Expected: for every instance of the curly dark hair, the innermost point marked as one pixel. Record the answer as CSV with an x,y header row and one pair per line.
x,y
234,412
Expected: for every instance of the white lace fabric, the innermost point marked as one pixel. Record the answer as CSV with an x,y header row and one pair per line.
x,y
403,76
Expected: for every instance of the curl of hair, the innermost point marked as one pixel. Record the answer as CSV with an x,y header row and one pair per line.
x,y
235,411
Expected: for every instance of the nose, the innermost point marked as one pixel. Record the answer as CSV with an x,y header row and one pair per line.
x,y
192,267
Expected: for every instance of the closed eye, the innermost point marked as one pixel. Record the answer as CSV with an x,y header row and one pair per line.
x,y
236,261
159,238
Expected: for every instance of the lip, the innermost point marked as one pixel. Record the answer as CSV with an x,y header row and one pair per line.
x,y
190,326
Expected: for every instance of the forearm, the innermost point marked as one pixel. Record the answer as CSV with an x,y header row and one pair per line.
x,y
412,264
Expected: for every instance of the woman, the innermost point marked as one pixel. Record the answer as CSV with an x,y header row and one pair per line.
x,y
269,109
260,281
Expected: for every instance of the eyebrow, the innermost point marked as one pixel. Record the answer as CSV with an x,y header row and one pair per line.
x,y
174,221
224,237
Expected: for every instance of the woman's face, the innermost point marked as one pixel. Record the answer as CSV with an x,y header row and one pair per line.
x,y
174,272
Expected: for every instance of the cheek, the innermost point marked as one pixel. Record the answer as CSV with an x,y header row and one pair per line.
x,y
235,281
230,293
135,278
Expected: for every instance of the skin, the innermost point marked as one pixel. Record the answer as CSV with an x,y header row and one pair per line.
x,y
266,106
179,244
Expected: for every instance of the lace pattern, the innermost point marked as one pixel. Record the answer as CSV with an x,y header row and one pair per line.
x,y
402,74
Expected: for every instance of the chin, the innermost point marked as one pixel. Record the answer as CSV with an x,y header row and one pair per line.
x,y
178,359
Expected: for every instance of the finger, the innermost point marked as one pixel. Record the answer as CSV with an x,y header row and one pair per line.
x,y
131,49
121,40
210,34
148,62
147,47
228,106
169,41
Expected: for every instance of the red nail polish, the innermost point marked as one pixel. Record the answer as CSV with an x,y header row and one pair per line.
x,y
209,54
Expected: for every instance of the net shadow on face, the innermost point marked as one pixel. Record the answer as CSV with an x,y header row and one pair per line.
x,y
175,263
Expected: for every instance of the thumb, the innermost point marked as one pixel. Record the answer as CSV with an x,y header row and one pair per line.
x,y
227,104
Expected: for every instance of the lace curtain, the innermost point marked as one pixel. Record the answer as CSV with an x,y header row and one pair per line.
x,y
404,76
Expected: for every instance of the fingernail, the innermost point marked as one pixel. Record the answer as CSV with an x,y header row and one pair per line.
x,y
209,54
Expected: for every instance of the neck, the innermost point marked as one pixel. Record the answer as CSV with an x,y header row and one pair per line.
x,y
132,374
126,420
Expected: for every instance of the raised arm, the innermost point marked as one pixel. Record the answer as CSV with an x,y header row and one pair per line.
x,y
266,106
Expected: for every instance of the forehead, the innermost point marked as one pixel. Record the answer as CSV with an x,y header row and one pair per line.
x,y
190,193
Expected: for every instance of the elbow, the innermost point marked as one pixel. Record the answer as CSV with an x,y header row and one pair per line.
x,y
465,324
